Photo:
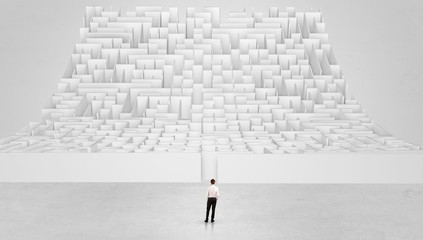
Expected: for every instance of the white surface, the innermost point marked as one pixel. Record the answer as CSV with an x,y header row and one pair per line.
x,y
98,167
226,168
321,168
110,211
208,166
266,82
377,43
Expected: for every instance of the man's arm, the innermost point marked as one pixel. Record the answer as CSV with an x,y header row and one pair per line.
x,y
217,193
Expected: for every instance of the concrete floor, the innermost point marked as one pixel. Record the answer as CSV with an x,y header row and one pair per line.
x,y
60,211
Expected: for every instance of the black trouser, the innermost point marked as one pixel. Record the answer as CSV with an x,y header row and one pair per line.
x,y
211,202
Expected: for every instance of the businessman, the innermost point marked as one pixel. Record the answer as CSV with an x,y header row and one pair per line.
x,y
212,196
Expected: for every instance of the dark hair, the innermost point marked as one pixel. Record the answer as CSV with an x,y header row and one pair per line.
x,y
212,181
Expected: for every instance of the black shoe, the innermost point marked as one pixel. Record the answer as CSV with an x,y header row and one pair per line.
x,y
212,220
208,220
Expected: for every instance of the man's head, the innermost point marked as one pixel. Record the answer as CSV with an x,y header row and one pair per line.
x,y
212,181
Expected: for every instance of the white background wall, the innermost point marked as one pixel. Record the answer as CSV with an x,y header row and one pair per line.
x,y
100,167
321,168
390,167
377,43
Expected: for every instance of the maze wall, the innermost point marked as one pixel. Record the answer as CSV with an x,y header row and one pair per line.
x,y
165,80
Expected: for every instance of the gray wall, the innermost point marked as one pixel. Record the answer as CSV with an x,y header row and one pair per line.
x,y
377,43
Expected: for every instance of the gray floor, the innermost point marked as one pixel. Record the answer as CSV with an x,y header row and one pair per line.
x,y
176,211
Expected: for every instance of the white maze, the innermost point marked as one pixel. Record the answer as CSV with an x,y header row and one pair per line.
x,y
152,80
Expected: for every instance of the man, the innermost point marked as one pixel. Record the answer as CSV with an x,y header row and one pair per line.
x,y
212,196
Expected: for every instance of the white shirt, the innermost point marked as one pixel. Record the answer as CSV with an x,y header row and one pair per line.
x,y
213,191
